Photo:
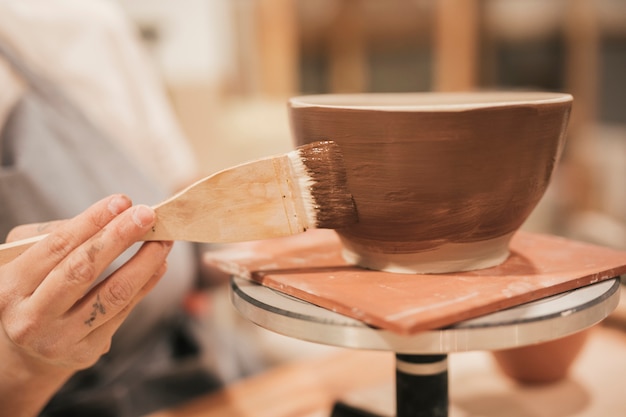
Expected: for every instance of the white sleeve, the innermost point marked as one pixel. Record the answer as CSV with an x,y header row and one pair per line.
x,y
93,52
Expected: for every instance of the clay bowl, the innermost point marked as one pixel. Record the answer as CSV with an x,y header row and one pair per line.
x,y
441,181
543,363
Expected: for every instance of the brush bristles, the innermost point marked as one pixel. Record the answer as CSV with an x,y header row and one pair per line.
x,y
324,185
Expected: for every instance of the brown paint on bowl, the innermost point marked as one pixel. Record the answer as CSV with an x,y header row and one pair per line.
x,y
441,181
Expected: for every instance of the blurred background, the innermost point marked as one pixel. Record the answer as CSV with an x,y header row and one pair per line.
x,y
230,65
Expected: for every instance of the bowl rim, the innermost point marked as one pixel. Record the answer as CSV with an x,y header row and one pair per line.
x,y
428,101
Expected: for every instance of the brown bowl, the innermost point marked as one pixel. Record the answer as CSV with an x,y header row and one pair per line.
x,y
441,181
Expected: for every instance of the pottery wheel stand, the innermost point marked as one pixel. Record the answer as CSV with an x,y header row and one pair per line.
x,y
301,287
421,359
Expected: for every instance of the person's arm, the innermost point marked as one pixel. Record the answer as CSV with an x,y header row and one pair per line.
x,y
52,322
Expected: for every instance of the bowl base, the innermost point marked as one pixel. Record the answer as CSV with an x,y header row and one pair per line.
x,y
451,257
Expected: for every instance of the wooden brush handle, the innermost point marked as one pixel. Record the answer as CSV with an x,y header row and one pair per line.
x,y
256,200
10,251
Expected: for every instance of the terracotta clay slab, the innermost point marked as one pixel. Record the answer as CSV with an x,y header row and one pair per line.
x,y
310,267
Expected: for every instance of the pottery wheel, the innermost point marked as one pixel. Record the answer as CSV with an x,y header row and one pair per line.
x,y
301,287
421,359
310,267
547,289
534,322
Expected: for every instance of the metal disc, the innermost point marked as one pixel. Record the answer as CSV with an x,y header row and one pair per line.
x,y
546,319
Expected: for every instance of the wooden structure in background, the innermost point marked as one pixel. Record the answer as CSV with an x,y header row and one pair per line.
x,y
456,45
582,38
348,50
276,37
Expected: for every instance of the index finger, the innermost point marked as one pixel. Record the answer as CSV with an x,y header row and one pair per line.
x,y
38,261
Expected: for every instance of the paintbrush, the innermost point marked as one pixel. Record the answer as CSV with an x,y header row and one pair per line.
x,y
271,197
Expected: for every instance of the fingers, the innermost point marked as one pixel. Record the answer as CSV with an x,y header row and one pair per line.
x,y
71,279
101,330
38,261
49,306
31,230
118,292
68,341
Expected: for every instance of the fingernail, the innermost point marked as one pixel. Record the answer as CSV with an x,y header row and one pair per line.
x,y
143,215
118,204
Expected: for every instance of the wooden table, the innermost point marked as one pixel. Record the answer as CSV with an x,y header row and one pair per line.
x,y
296,389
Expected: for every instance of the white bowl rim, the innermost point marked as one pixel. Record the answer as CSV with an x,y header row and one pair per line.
x,y
428,101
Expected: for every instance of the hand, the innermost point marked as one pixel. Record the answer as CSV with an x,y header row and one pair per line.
x,y
51,321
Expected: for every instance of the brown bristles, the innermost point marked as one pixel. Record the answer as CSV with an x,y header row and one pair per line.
x,y
333,204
